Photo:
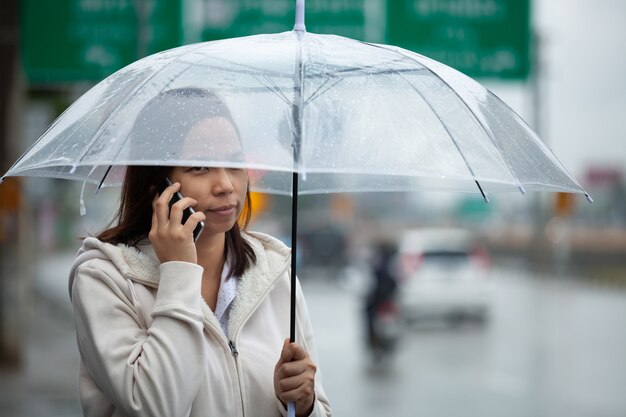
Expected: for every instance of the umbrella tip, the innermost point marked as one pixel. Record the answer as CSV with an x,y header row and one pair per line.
x,y
299,26
588,197
482,192
73,170
522,189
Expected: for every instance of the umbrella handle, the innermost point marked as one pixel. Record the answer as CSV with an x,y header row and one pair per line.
x,y
291,409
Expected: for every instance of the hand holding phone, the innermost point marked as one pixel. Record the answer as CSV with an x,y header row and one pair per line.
x,y
187,212
172,239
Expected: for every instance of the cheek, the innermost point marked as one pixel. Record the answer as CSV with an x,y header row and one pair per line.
x,y
193,189
240,180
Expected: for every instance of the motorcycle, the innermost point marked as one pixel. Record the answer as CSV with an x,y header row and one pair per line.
x,y
384,332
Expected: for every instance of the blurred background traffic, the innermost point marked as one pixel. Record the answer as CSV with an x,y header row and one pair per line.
x,y
423,303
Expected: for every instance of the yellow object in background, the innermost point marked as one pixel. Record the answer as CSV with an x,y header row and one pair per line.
x,y
564,204
260,203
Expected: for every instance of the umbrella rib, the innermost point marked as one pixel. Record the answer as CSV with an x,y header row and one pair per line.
x,y
262,72
358,71
544,146
316,94
187,68
277,89
244,68
32,146
103,178
117,109
312,96
454,141
482,126
273,87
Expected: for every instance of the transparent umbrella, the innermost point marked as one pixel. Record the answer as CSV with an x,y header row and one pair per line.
x,y
314,113
381,117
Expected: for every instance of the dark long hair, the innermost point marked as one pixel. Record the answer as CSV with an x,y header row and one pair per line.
x,y
179,109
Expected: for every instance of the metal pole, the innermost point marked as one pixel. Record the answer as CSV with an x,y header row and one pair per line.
x,y
538,247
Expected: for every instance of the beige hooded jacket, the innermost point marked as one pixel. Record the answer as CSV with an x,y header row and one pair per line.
x,y
151,346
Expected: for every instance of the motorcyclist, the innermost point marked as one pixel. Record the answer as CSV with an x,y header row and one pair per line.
x,y
380,306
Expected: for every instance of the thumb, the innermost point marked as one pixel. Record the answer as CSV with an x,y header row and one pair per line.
x,y
298,352
286,353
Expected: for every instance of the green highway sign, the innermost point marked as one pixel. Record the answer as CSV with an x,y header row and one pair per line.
x,y
86,40
482,38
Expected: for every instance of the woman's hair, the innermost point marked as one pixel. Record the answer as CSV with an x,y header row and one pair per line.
x,y
180,110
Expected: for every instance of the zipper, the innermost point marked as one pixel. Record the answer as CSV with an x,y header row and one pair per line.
x,y
235,353
233,349
231,343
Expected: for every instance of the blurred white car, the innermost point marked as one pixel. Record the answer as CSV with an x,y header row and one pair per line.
x,y
443,273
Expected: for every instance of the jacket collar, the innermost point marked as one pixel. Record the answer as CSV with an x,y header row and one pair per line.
x,y
141,264
272,261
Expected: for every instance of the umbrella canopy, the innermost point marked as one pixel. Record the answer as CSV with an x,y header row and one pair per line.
x,y
381,117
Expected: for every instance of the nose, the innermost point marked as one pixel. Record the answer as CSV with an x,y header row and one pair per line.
x,y
222,183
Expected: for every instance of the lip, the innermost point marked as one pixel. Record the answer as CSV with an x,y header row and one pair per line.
x,y
226,210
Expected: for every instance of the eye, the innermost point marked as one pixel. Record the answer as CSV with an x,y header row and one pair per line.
x,y
199,169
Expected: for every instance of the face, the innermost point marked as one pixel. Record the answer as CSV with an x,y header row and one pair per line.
x,y
220,192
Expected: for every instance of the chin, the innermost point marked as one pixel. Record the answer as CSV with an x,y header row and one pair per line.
x,y
218,228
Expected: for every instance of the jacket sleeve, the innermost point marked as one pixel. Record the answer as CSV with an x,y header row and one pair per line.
x,y
144,372
304,331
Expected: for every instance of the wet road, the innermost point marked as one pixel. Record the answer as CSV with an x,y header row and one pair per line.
x,y
551,348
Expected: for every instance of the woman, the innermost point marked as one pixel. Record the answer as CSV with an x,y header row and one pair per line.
x,y
171,327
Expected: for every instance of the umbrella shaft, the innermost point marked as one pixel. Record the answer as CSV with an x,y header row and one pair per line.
x,y
294,245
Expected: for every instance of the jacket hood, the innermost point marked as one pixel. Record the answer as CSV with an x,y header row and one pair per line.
x,y
139,263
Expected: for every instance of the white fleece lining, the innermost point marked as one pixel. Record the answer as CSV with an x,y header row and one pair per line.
x,y
143,266
257,281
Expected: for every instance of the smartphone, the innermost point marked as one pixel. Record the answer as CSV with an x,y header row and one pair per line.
x,y
186,212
